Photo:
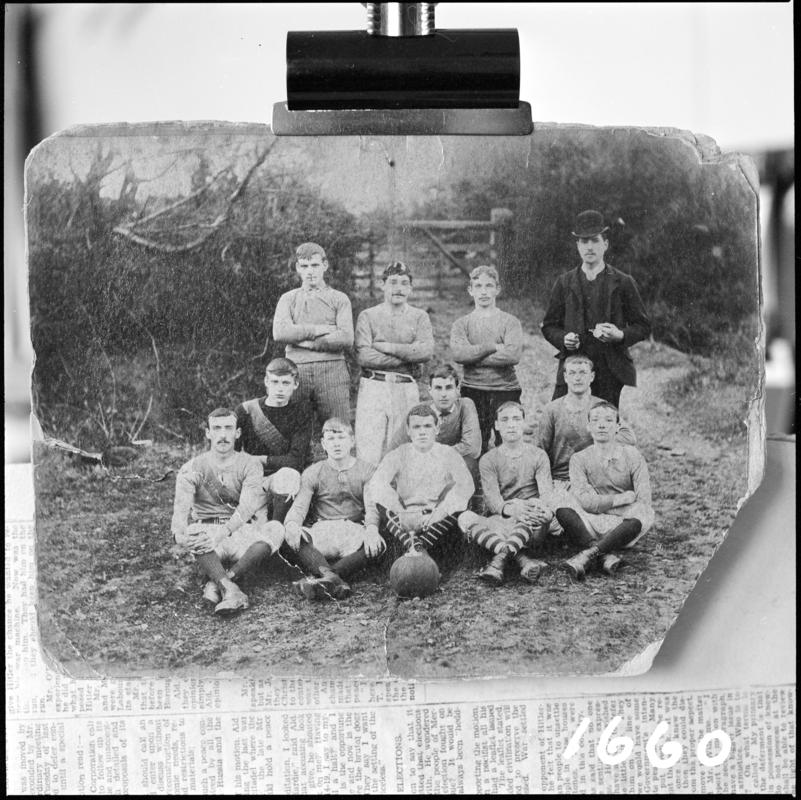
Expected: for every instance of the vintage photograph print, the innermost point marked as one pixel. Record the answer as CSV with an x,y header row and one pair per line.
x,y
424,407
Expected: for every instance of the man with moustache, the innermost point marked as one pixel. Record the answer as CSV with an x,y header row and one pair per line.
x,y
220,514
393,340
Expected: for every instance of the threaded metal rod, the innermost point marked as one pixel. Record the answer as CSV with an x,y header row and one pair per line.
x,y
400,19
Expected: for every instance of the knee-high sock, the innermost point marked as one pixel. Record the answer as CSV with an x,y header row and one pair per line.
x,y
429,536
280,507
575,530
255,553
348,565
310,558
391,522
486,537
537,538
212,567
620,536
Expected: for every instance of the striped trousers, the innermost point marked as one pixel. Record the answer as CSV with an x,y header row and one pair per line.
x,y
325,385
407,528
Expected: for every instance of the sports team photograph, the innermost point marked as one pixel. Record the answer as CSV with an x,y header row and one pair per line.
x,y
414,407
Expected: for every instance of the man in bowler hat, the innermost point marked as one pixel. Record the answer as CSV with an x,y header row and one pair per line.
x,y
596,310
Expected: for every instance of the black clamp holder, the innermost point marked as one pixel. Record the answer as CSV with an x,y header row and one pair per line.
x,y
402,76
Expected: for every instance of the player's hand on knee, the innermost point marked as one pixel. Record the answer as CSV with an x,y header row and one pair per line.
x,y
374,544
293,533
198,538
537,514
516,509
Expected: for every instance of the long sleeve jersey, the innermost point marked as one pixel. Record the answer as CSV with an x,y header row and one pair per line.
x,y
299,310
514,474
409,479
469,337
595,479
563,431
458,429
280,433
411,328
207,489
327,493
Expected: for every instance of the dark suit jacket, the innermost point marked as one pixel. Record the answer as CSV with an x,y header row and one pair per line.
x,y
624,308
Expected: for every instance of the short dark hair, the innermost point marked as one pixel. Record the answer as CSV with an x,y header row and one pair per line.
x,y
422,410
396,268
220,412
444,369
337,424
510,404
309,250
604,404
282,366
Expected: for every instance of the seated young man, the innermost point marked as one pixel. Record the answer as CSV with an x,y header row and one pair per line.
x,y
562,428
611,484
516,480
458,419
342,530
563,424
221,492
420,487
277,429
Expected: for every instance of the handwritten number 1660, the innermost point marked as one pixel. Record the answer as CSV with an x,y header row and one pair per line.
x,y
616,749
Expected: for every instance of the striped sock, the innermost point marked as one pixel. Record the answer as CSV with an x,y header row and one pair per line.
x,y
487,538
429,536
396,529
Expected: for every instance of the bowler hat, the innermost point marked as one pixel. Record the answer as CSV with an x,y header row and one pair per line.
x,y
589,223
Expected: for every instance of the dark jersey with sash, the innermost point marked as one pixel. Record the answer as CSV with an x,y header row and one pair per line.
x,y
281,434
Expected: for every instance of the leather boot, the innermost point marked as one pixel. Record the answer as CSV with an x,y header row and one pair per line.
x,y
212,593
611,563
334,585
493,572
530,568
578,565
234,599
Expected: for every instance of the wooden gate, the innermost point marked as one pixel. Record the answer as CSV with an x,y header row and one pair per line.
x,y
440,252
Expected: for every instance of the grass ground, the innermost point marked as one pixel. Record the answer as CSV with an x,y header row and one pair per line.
x,y
117,598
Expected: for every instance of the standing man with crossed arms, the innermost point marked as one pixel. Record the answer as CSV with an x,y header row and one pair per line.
x,y
315,322
393,340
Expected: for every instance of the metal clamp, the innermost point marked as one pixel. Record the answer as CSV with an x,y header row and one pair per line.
x,y
402,76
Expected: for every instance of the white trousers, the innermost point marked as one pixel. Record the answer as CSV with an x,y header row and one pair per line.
x,y
380,408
